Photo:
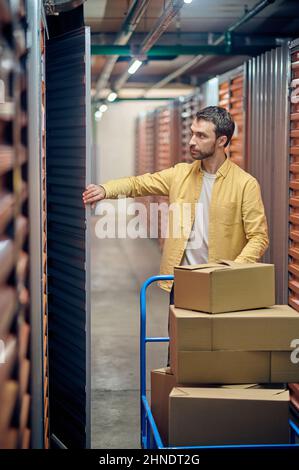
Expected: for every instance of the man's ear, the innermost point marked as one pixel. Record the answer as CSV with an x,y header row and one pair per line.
x,y
222,140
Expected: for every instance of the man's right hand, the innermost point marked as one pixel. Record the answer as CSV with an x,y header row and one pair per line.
x,y
92,194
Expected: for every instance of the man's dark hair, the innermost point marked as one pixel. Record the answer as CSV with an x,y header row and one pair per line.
x,y
222,120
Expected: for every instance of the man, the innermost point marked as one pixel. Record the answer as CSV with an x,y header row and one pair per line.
x,y
226,203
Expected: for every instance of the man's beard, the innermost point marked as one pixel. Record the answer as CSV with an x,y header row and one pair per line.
x,y
200,155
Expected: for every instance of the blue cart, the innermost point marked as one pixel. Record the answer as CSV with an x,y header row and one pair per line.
x,y
150,437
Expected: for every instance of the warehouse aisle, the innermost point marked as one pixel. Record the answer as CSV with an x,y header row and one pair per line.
x,y
118,268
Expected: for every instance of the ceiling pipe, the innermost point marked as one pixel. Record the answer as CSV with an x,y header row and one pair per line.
x,y
200,59
160,26
129,25
176,50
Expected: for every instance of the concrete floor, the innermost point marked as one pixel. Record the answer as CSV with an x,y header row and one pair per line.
x,y
119,267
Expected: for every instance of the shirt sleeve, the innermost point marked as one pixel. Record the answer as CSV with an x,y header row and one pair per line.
x,y
254,222
148,184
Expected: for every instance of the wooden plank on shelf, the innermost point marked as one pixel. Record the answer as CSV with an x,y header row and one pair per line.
x,y
8,302
6,209
24,412
25,439
6,160
8,398
10,356
7,111
24,376
21,229
7,258
22,266
24,340
10,439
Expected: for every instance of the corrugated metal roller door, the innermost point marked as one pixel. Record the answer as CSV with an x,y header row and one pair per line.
x,y
145,153
231,97
164,156
294,182
140,144
189,106
267,151
149,156
68,172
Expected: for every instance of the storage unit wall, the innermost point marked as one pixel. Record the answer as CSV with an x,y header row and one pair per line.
x,y
145,153
189,106
15,398
166,150
267,153
293,267
294,180
145,143
231,97
157,146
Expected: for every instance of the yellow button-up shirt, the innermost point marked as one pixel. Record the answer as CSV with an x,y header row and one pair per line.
x,y
238,227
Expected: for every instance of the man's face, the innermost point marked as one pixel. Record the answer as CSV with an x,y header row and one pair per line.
x,y
203,139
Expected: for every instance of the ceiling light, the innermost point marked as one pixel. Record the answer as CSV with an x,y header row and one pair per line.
x,y
134,67
112,96
103,108
187,1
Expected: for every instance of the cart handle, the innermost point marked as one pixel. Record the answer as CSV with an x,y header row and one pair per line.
x,y
144,408
143,338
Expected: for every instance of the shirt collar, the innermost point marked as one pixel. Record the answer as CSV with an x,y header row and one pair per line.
x,y
222,170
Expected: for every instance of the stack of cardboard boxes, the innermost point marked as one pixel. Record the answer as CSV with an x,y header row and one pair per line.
x,y
229,345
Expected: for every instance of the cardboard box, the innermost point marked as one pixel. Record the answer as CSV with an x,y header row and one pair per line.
x,y
229,367
224,287
162,383
209,416
220,367
266,329
282,368
240,347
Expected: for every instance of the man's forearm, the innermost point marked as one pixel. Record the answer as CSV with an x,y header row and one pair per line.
x,y
255,224
253,250
149,184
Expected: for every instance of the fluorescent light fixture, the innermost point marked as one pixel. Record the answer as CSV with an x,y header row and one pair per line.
x,y
103,108
187,1
134,67
98,115
112,96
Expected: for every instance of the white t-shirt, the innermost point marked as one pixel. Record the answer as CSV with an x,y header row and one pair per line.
x,y
196,251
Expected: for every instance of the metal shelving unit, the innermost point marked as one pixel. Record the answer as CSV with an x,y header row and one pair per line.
x,y
15,328
189,106
145,152
294,188
231,97
293,281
